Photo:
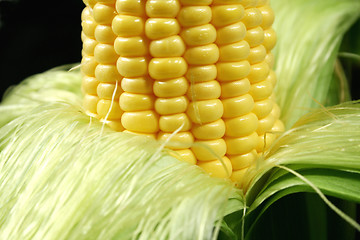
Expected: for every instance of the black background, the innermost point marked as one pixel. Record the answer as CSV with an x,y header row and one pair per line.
x,y
37,35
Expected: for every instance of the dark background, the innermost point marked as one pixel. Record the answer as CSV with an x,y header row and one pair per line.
x,y
37,35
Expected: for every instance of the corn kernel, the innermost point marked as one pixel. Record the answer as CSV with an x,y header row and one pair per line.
x,y
243,161
105,54
131,102
109,109
263,108
265,124
231,33
107,73
258,72
167,68
127,26
198,2
205,111
201,55
156,28
132,67
103,14
171,88
89,84
230,71
185,155
237,106
170,123
194,16
163,8
89,45
267,16
142,122
235,88
237,51
130,7
208,131
204,90
167,106
88,65
201,73
172,46
255,36
107,91
227,14
217,168
261,90
257,54
241,126
252,18
181,140
269,39
130,46
199,35
88,27
90,104
208,150
241,145
141,85
104,34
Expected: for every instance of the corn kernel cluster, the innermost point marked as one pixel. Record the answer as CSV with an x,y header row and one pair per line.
x,y
194,74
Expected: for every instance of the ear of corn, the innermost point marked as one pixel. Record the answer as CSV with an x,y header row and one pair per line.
x,y
193,74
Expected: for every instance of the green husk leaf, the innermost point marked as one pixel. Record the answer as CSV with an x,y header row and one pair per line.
x,y
309,36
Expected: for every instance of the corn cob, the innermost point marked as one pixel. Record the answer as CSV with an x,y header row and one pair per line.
x,y
201,69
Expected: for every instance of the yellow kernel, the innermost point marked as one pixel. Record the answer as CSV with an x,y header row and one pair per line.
x,y
86,12
127,26
241,126
143,121
171,123
257,54
198,2
132,102
114,124
89,84
185,155
217,168
241,145
199,35
258,72
237,106
205,111
137,85
202,55
278,126
104,34
103,14
267,16
204,90
167,106
105,53
235,88
167,68
207,150
109,109
272,77
234,52
88,27
252,18
276,110
249,3
238,176
151,136
231,33
130,46
263,108
255,36
156,28
181,140
88,65
89,45
90,104
107,91
227,2
132,67
244,160
208,131
172,46
171,88
162,8
230,71
261,3
265,124
269,39
270,59
194,15
266,140
130,7
201,73
261,90
107,73
227,14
